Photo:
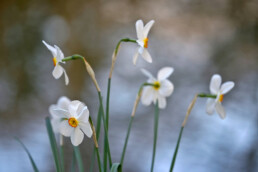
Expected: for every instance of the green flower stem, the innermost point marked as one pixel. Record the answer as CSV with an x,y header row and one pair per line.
x,y
131,120
114,57
126,140
202,95
107,122
92,75
97,133
156,122
105,130
88,68
176,150
96,143
123,40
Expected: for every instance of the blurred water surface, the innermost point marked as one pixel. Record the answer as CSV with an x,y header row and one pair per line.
x,y
197,38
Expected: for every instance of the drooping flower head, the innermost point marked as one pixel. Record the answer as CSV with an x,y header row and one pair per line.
x,y
219,90
160,89
142,40
57,59
74,121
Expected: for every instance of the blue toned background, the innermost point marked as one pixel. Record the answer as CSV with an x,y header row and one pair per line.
x,y
197,38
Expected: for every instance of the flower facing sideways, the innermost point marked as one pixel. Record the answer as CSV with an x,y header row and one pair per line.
x,y
57,58
142,40
74,121
160,88
219,90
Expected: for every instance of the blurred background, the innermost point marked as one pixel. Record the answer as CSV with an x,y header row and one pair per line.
x,y
198,38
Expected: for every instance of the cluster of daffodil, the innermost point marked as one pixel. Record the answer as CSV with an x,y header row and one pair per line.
x,y
72,118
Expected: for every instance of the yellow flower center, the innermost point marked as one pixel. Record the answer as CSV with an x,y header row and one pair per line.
x,y
54,61
145,41
221,97
73,122
156,85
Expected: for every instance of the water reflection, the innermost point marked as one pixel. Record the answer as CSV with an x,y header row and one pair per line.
x,y
195,39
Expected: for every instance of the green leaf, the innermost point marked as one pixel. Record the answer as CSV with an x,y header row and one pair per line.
x,y
97,133
107,123
156,122
116,167
62,156
73,163
176,150
106,141
53,145
28,153
78,158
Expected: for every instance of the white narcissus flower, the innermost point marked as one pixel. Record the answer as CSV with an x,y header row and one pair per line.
x,y
57,58
219,90
142,40
74,121
161,88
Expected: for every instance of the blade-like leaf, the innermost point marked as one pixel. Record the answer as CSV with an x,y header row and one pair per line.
x,y
73,163
78,158
116,167
28,153
53,145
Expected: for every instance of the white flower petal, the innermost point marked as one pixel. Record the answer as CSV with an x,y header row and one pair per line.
x,y
51,49
135,57
147,95
210,106
59,54
66,78
146,55
166,88
226,87
220,110
215,84
84,115
60,113
147,73
74,106
162,102
51,111
141,44
55,124
139,29
140,50
65,129
147,28
63,102
86,128
164,73
77,136
58,71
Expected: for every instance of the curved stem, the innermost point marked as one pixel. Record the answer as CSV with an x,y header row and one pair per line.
x,y
114,57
